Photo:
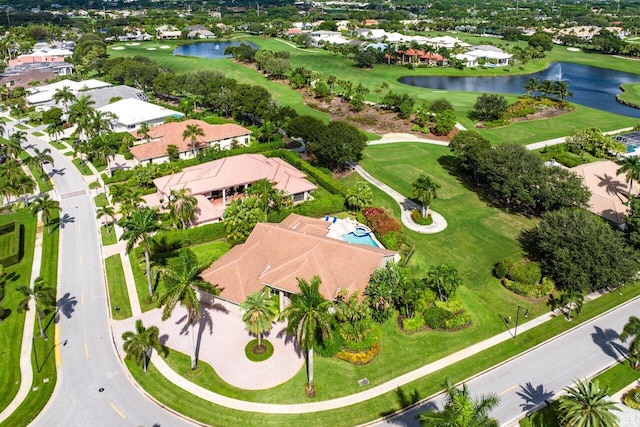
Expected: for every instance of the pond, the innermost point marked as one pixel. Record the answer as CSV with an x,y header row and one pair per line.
x,y
211,50
591,86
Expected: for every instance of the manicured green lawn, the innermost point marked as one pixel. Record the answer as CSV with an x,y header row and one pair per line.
x,y
206,412
631,93
59,145
117,288
83,168
42,357
108,236
37,133
21,127
206,253
327,63
11,328
44,184
101,200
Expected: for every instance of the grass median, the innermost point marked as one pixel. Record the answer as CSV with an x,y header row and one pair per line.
x,y
118,294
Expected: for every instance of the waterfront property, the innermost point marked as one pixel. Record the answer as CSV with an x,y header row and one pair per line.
x,y
216,184
609,189
154,150
276,255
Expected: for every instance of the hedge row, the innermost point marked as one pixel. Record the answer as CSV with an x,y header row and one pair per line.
x,y
167,241
545,287
321,206
11,244
322,178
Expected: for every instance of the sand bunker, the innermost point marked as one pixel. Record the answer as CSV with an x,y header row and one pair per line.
x,y
118,48
132,44
164,46
573,49
151,48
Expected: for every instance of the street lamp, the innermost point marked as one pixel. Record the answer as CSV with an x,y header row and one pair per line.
x,y
526,314
507,320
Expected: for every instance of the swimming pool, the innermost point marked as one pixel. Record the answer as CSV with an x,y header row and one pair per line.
x,y
360,240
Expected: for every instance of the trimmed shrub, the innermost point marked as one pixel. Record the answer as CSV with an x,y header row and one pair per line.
x,y
361,357
414,324
416,216
372,336
632,398
436,317
330,345
526,272
378,220
545,287
9,244
501,269
166,241
393,240
452,305
458,321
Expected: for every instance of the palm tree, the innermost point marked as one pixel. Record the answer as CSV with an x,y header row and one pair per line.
x,y
65,97
546,87
139,344
192,132
561,89
106,148
44,298
532,86
359,196
265,191
460,410
444,279
259,312
143,132
425,189
40,158
79,115
632,330
308,318
586,404
13,146
183,284
129,199
107,211
631,167
54,130
182,206
2,128
47,206
99,122
139,228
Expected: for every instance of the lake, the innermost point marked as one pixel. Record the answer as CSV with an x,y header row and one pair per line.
x,y
211,50
591,86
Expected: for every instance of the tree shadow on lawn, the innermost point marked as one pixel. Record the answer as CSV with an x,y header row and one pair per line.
x,y
533,396
412,406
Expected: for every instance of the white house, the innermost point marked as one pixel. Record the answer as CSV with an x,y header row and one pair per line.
x,y
490,55
131,113
41,97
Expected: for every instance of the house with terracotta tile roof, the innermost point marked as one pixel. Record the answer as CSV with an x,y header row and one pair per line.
x,y
217,183
160,137
275,256
417,57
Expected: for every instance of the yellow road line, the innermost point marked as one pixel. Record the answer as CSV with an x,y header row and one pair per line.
x,y
118,411
82,298
56,341
86,350
508,390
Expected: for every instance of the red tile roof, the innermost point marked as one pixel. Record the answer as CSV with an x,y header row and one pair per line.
x,y
171,133
276,255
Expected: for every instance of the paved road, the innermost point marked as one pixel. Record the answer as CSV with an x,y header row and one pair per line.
x,y
89,361
525,382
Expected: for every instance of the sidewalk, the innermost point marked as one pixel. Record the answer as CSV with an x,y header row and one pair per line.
x,y
406,207
26,370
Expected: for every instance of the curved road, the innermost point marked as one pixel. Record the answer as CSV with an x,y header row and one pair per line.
x,y
525,382
89,362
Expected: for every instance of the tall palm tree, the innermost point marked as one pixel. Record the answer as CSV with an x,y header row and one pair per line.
x,y
307,318
139,344
192,132
80,115
444,279
54,130
142,224
47,206
631,167
44,298
182,206
546,87
586,404
532,86
40,158
259,313
65,97
105,148
143,132
425,190
107,211
561,89
265,191
183,284
12,147
632,330
461,410
129,200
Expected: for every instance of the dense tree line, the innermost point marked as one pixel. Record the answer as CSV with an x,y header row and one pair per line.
x,y
517,178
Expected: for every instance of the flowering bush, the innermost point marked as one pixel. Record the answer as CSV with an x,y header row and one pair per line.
x,y
361,357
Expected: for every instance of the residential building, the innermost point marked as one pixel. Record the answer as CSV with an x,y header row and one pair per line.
x,y
41,97
165,32
217,183
199,32
489,55
106,95
160,137
130,113
275,256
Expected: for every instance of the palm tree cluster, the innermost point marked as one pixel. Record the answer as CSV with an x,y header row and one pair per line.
x,y
425,189
139,344
13,180
548,88
44,298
